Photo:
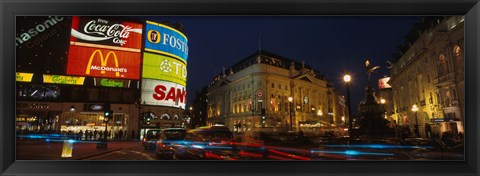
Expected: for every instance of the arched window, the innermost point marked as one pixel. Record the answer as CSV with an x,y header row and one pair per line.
x,y
457,52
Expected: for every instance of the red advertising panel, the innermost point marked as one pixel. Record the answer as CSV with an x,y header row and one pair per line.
x,y
96,62
104,47
106,31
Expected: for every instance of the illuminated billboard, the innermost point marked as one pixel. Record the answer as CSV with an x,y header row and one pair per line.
x,y
106,31
61,79
24,77
95,62
162,93
164,68
165,40
383,83
107,82
103,47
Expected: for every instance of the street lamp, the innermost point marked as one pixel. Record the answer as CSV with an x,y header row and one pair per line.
x,y
290,99
107,116
415,109
382,101
191,109
319,113
347,78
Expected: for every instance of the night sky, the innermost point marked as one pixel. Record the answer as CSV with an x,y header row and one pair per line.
x,y
332,45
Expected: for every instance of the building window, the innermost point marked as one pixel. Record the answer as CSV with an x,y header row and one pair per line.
x,y
442,65
457,51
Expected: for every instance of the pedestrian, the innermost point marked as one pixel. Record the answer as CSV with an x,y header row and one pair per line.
x,y
87,134
120,134
101,134
80,134
95,134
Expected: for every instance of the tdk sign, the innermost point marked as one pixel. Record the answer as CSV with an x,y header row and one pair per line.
x,y
165,40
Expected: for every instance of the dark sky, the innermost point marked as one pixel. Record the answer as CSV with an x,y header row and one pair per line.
x,y
332,45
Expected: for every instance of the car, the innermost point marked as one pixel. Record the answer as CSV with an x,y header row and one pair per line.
x,y
151,138
213,143
168,140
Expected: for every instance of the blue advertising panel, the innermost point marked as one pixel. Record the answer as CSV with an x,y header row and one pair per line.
x,y
166,40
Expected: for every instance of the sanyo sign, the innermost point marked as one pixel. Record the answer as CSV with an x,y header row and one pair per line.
x,y
163,93
165,40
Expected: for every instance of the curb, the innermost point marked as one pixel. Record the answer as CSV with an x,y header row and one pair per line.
x,y
95,154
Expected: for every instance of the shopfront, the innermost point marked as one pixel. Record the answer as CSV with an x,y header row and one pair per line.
x,y
32,117
90,119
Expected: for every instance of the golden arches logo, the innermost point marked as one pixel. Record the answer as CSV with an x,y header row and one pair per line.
x,y
153,36
103,61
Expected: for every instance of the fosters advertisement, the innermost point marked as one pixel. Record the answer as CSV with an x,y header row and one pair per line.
x,y
102,47
162,93
164,68
165,40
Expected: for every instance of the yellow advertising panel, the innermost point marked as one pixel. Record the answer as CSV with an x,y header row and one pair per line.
x,y
164,68
60,79
24,77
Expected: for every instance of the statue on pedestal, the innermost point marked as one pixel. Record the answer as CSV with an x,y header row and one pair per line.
x,y
372,114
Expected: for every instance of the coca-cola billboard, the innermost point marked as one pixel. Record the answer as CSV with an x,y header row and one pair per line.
x,y
104,47
106,31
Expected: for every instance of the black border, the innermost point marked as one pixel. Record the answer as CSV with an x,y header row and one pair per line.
x,y
10,8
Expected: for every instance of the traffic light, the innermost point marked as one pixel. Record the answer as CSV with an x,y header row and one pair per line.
x,y
108,114
148,118
263,121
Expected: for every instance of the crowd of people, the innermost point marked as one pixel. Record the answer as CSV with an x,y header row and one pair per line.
x,y
97,135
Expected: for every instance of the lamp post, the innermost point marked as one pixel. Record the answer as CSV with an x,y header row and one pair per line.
x,y
191,109
290,99
106,117
417,131
347,78
138,104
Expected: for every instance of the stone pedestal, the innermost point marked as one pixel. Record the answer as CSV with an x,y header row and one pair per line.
x,y
372,117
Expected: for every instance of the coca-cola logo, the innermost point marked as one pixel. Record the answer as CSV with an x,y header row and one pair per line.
x,y
101,30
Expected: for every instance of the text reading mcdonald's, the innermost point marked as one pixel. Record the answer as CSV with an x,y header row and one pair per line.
x,y
103,63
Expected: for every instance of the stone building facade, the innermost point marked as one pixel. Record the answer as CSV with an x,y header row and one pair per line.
x,y
253,95
430,74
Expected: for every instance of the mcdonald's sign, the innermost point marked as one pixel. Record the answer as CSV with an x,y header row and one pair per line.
x,y
99,62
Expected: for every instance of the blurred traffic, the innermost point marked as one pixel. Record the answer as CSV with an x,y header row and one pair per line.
x,y
219,143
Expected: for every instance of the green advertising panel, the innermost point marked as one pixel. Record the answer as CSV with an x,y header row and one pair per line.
x,y
164,68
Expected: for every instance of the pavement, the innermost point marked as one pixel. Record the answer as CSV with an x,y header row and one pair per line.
x,y
41,150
